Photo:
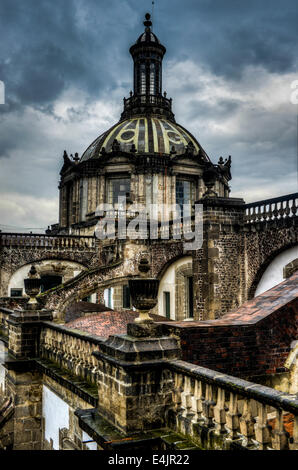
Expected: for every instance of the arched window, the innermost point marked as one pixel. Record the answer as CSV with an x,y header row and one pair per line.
x,y
152,79
143,79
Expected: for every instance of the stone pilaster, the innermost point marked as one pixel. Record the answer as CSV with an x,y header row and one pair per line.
x,y
134,386
218,265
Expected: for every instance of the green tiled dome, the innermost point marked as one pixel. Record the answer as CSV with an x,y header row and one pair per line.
x,y
148,134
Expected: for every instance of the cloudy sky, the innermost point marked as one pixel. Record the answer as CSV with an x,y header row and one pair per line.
x,y
66,67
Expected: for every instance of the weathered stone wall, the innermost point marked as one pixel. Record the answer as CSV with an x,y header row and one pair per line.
x,y
24,332
264,241
234,255
25,389
237,346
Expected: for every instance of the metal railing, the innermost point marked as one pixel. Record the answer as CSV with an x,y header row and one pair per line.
x,y
141,100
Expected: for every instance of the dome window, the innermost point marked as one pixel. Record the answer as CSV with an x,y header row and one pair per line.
x,y
117,187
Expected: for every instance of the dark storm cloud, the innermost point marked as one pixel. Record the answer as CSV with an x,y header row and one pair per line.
x,y
227,35
53,50
48,45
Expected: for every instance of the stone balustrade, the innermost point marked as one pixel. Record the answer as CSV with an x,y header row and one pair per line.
x,y
272,209
214,410
70,349
224,412
25,240
178,229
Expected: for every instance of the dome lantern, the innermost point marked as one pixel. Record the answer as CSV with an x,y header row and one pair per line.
x,y
147,98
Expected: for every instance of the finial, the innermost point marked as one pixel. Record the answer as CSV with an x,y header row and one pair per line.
x,y
147,23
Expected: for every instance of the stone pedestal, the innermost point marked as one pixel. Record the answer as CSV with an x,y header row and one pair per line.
x,y
24,331
135,387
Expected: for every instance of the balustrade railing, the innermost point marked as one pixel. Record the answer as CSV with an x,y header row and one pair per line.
x,y
231,411
272,209
70,350
234,409
139,100
47,241
181,228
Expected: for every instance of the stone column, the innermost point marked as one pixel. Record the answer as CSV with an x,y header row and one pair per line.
x,y
134,386
25,388
23,382
218,264
24,330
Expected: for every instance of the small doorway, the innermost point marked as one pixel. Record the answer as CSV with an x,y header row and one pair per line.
x,y
126,297
189,283
167,305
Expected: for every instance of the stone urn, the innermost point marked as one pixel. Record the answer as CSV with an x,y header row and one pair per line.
x,y
32,285
143,293
209,177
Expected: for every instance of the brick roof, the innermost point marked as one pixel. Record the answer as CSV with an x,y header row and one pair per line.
x,y
79,309
104,324
256,309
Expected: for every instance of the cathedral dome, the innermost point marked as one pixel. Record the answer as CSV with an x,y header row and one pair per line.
x,y
149,134
147,123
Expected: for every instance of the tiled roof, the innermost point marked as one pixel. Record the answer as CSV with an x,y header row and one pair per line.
x,y
79,309
109,323
258,308
148,134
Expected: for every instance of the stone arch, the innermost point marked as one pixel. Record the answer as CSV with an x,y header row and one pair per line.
x,y
181,292
12,259
86,283
275,257
172,289
82,292
64,269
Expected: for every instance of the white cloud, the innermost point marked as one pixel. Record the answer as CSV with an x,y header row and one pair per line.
x,y
251,119
19,212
